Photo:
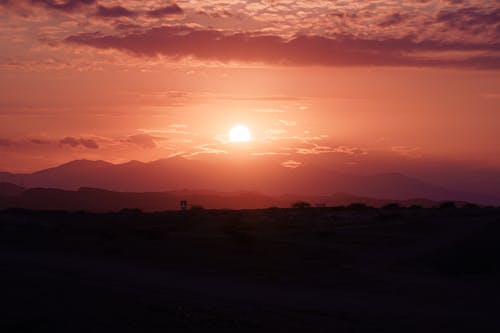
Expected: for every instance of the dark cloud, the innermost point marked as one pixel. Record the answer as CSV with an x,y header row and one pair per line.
x,y
145,141
182,41
74,142
5,142
70,141
119,11
172,9
88,143
469,17
393,19
102,11
67,5
114,12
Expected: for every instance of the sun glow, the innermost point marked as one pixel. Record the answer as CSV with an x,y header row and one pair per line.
x,y
240,133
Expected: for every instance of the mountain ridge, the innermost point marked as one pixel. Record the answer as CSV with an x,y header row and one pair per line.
x,y
102,200
262,176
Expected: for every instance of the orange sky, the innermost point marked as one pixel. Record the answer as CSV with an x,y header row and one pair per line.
x,y
365,86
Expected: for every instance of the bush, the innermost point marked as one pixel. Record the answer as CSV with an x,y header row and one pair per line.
x,y
131,211
471,206
301,204
448,205
393,205
357,206
197,207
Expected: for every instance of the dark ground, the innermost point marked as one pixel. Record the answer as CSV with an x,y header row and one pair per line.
x,y
276,270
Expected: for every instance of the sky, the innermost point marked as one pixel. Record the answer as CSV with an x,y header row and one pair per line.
x,y
354,86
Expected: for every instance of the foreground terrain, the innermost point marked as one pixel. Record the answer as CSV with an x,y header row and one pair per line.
x,y
278,270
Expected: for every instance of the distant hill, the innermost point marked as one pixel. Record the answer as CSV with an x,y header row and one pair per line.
x,y
98,200
8,189
231,175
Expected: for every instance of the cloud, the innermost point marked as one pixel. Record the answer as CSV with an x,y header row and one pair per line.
x,y
74,142
5,142
316,149
172,9
469,18
63,5
288,122
145,141
170,130
270,153
210,44
408,151
291,164
215,13
120,11
393,19
40,142
211,149
114,12
349,150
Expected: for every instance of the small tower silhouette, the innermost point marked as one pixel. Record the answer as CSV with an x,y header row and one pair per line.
x,y
184,205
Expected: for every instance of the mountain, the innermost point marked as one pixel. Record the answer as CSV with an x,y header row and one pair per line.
x,y
236,175
10,190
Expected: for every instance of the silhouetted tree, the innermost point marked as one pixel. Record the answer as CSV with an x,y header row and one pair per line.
x,y
448,205
301,204
357,206
393,205
131,211
471,206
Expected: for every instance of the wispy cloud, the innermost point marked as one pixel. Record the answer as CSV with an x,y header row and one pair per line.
x,y
145,141
5,142
211,149
76,142
291,164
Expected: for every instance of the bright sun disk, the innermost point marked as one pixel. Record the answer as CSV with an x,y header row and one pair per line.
x,y
240,133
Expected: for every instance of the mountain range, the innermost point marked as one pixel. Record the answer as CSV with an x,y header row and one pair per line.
x,y
235,176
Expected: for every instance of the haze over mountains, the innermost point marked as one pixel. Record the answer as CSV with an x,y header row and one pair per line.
x,y
227,175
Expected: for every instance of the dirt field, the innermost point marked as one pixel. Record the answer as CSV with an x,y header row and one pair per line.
x,y
275,270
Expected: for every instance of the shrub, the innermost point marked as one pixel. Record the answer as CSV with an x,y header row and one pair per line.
x,y
301,204
197,207
131,211
358,206
448,205
393,205
471,206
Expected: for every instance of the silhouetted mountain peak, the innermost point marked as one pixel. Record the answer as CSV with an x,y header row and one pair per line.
x,y
250,175
85,163
132,163
78,165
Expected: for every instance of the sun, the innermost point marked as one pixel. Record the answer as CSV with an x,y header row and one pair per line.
x,y
240,133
